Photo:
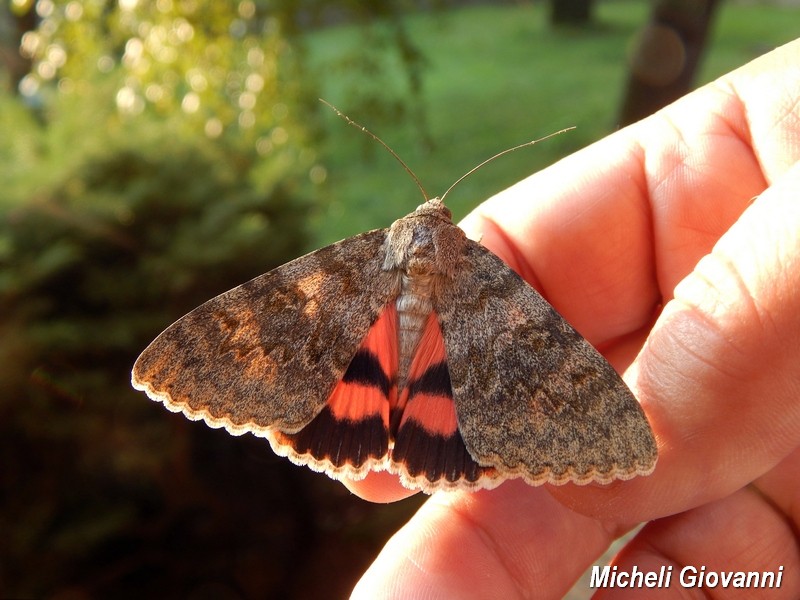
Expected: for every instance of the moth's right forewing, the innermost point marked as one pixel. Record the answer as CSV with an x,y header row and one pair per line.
x,y
533,398
267,354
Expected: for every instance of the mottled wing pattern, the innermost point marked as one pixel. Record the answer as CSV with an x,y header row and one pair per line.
x,y
268,354
533,398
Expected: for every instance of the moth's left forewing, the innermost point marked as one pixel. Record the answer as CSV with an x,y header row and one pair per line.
x,y
266,355
533,398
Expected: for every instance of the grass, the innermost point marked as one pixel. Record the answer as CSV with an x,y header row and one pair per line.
x,y
497,77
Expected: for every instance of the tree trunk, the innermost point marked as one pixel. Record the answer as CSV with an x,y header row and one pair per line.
x,y
570,12
666,57
16,65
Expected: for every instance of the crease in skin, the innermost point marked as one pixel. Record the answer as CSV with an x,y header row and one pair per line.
x,y
709,298
677,166
659,168
710,328
492,545
635,152
785,501
740,130
785,120
638,153
785,516
715,291
417,564
664,346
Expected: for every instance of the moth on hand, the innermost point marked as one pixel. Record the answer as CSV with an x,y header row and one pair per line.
x,y
411,349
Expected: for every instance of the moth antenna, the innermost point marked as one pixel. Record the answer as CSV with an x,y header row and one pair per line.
x,y
499,154
382,143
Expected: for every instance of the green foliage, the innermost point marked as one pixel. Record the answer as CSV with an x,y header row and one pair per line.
x,y
222,68
94,263
139,180
384,83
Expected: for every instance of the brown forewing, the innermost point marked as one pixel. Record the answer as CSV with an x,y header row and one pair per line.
x,y
533,398
267,354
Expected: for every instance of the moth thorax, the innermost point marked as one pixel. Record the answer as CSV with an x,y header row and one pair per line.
x,y
413,307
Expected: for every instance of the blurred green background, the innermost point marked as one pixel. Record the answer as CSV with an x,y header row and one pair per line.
x,y
154,153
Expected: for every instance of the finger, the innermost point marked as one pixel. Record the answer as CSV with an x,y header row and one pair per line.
x,y
498,544
731,125
718,376
781,487
740,533
379,486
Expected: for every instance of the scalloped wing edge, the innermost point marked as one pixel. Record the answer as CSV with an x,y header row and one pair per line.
x,y
408,481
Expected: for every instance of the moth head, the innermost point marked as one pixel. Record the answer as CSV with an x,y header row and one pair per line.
x,y
433,208
425,242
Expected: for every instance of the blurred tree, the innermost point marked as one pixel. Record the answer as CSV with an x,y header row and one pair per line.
x,y
379,75
231,68
15,19
665,56
570,12
225,69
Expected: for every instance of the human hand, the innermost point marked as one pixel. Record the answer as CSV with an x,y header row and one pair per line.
x,y
674,247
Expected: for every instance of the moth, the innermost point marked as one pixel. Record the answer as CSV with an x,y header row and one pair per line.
x,y
411,349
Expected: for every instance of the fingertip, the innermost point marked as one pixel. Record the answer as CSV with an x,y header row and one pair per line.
x,y
380,487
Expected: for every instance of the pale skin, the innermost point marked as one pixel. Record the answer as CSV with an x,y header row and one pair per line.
x,y
674,247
